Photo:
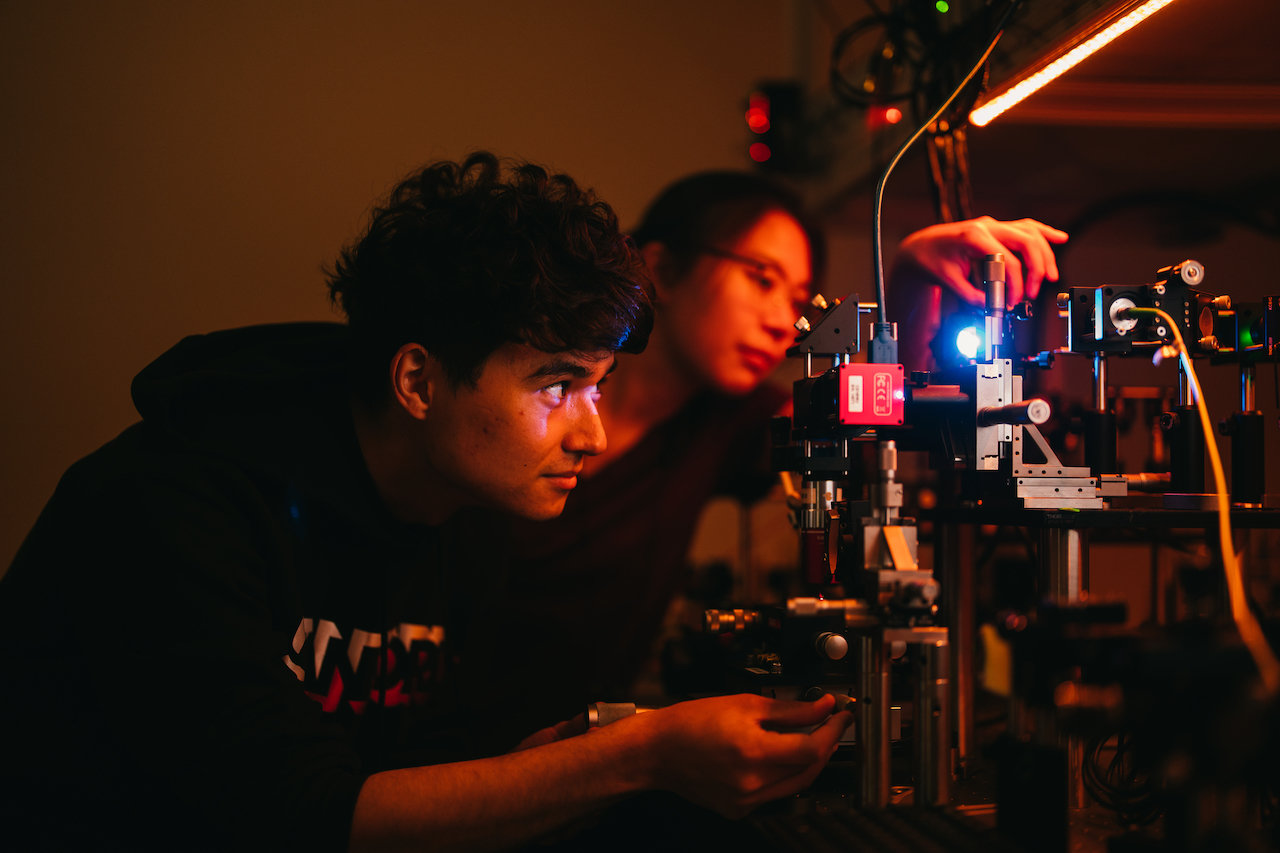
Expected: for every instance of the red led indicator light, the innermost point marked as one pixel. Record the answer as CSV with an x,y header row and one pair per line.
x,y
758,120
758,112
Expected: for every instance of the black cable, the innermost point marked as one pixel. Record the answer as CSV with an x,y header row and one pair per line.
x,y
847,90
878,203
964,185
904,49
1120,787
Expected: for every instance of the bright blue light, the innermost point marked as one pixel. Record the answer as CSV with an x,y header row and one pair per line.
x,y
969,341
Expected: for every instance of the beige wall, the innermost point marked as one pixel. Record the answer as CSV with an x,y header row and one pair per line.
x,y
172,168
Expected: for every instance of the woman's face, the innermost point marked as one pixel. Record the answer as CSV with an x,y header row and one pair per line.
x,y
729,320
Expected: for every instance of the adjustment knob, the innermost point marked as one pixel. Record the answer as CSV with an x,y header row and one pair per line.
x,y
832,646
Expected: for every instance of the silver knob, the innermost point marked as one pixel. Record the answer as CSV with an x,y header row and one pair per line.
x,y
832,646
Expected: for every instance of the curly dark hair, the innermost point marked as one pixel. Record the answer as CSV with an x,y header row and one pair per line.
x,y
714,208
465,257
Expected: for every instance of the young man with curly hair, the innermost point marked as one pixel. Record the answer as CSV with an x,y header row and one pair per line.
x,y
236,625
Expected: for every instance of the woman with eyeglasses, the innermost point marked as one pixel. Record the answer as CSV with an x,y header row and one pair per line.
x,y
733,257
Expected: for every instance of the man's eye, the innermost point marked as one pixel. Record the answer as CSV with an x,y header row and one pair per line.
x,y
764,280
557,389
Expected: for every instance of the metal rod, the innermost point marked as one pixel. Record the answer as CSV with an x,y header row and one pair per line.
x,y
1100,381
933,725
954,563
873,721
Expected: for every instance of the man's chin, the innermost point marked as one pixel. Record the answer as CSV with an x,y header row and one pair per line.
x,y
544,511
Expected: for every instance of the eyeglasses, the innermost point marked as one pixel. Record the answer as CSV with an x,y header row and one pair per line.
x,y
754,263
768,273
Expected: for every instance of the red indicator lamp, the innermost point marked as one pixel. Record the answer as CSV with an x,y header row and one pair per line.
x,y
758,113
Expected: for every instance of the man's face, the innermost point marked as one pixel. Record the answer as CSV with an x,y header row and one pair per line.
x,y
516,441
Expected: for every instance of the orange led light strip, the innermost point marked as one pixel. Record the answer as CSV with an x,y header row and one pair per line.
x,y
1026,86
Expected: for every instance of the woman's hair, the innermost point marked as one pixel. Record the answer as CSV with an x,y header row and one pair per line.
x,y
713,209
466,257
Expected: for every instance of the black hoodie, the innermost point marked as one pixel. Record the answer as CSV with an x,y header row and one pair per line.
x,y
216,629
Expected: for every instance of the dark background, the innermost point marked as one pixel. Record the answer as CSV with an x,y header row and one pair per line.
x,y
172,169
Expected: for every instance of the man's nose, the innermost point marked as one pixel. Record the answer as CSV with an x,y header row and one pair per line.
x,y
586,431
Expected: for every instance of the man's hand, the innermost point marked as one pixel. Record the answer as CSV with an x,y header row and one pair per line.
x,y
727,753
733,753
947,253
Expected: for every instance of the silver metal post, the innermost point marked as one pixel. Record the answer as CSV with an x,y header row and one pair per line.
x,y
1066,562
933,725
873,720
954,562
1100,381
1066,569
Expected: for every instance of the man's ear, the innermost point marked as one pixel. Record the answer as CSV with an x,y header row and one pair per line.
x,y
414,378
